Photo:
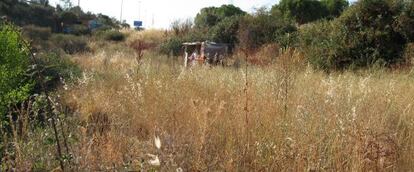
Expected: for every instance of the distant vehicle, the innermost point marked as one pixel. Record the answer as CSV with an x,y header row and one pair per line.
x,y
205,53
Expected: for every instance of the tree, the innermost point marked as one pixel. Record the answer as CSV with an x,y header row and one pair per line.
x,y
303,11
41,2
264,27
210,16
108,22
77,10
226,30
41,15
68,18
335,7
6,6
67,4
405,21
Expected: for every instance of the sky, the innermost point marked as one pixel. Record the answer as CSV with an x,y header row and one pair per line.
x,y
160,13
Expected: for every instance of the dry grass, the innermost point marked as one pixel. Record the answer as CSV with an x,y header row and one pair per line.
x,y
150,36
299,119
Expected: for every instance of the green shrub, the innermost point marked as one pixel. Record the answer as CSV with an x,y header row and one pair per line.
x,y
335,7
264,27
362,36
71,44
68,18
405,21
225,31
109,35
114,35
15,86
79,30
324,45
172,45
56,67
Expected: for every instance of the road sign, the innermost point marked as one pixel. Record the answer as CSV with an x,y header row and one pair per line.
x,y
137,23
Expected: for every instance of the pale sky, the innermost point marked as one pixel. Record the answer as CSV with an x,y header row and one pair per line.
x,y
160,13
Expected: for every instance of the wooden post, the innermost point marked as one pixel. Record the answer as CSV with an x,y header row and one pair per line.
x,y
185,56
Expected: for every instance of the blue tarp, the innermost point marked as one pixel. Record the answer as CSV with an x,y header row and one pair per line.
x,y
94,24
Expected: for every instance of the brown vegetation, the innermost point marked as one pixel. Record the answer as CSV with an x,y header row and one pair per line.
x,y
298,119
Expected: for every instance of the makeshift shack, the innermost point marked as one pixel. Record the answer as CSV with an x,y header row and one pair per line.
x,y
204,53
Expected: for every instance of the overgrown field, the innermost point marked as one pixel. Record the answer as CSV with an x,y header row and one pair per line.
x,y
310,85
282,117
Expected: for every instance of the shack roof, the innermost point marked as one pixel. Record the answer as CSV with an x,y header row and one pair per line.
x,y
200,43
192,43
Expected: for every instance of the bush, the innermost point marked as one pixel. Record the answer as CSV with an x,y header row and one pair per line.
x,y
110,35
172,45
79,30
264,27
68,18
114,36
71,44
225,31
324,45
362,36
56,67
405,21
15,86
335,7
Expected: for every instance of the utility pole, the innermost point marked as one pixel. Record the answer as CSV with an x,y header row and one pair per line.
x,y
79,3
139,10
153,20
122,6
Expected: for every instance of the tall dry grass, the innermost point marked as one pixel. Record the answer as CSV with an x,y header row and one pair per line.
x,y
299,119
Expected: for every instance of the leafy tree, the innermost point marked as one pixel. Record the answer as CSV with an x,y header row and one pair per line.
x,y
76,10
210,16
107,21
405,20
69,18
6,6
264,27
335,7
303,11
41,15
225,31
